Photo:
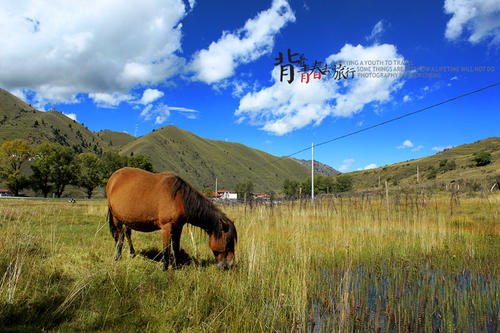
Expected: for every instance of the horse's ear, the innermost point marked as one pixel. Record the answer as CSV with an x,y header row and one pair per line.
x,y
232,220
224,225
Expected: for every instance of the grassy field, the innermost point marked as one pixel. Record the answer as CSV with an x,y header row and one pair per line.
x,y
415,262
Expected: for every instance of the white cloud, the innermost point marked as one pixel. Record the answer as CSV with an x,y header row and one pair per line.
x,y
377,30
282,107
238,86
247,44
162,112
454,78
479,17
150,95
105,100
407,98
70,115
417,148
346,165
406,144
146,112
370,166
188,113
60,49
19,93
441,148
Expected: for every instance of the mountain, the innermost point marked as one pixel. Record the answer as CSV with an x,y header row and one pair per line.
x,y
115,140
319,167
198,160
201,161
19,120
454,164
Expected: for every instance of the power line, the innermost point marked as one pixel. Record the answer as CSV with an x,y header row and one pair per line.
x,y
397,118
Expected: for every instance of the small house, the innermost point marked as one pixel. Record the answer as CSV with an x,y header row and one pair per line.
x,y
261,196
226,195
5,193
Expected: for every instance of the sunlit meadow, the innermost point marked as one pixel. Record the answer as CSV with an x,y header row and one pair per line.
x,y
407,262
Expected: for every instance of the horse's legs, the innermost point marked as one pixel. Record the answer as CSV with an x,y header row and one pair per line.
x,y
176,240
128,233
166,233
119,243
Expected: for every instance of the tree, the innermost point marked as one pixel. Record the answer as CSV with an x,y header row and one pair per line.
x,y
323,184
41,167
141,162
12,156
207,191
244,188
64,168
112,161
290,188
483,158
90,172
343,183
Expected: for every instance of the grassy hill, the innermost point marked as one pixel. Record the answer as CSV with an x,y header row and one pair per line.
x,y
19,120
465,169
200,160
115,140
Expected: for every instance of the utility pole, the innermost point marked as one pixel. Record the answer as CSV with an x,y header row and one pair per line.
x,y
312,174
216,186
417,173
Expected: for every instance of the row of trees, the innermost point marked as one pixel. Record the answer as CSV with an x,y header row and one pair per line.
x,y
54,166
322,184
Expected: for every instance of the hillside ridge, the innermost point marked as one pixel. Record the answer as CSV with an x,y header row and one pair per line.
x,y
198,160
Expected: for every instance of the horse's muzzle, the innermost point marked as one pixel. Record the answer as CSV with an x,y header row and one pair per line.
x,y
225,264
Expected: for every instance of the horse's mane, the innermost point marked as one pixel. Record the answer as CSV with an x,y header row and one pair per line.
x,y
201,212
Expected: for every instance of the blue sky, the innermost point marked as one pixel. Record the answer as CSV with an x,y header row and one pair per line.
x,y
208,67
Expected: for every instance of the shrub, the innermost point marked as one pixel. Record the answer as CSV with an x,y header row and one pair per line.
x,y
483,158
431,173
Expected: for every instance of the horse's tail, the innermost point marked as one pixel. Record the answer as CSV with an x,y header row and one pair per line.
x,y
112,226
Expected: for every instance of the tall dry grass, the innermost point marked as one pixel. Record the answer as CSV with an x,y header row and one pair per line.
x,y
428,262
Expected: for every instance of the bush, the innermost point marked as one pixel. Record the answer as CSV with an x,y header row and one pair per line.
x,y
445,165
343,183
483,158
431,173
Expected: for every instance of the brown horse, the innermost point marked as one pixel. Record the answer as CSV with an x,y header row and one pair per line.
x,y
144,201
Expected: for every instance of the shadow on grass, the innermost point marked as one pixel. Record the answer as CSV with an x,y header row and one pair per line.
x,y
184,259
38,314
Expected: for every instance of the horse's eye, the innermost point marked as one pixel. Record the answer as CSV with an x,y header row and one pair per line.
x,y
216,253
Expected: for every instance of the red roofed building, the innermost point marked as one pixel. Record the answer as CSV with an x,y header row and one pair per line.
x,y
227,195
5,193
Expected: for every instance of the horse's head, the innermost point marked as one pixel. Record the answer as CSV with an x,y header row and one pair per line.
x,y
222,243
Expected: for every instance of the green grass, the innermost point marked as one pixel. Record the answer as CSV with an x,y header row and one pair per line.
x,y
115,140
466,171
349,264
19,120
201,161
